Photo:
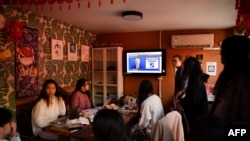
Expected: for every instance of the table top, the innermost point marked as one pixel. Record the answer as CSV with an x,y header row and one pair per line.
x,y
83,132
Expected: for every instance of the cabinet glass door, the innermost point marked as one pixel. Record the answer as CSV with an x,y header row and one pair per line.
x,y
98,76
111,61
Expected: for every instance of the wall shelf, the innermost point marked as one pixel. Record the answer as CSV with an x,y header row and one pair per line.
x,y
211,48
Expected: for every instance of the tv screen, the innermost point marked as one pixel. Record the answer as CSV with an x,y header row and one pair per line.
x,y
147,62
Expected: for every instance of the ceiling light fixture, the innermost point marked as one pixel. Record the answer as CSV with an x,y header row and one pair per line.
x,y
132,15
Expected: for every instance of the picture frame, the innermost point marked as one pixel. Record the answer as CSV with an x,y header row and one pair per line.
x,y
211,68
72,52
56,49
85,53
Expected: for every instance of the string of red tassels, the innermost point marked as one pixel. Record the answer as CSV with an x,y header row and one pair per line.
x,y
243,14
51,3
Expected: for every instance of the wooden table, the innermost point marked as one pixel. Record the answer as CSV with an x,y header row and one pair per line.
x,y
84,134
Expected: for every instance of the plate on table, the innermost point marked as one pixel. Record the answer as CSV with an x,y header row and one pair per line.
x,y
91,111
84,120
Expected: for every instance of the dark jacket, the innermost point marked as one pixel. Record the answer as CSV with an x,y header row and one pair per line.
x,y
195,102
232,100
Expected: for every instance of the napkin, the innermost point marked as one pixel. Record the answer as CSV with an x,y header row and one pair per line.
x,y
80,120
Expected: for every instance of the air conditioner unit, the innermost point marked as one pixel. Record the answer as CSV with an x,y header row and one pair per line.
x,y
192,41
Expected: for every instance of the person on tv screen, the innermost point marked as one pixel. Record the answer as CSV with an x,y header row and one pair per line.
x,y
137,64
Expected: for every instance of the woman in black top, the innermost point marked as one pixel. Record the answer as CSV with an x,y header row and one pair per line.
x,y
194,100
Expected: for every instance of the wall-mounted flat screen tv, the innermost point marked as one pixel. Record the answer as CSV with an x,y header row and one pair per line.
x,y
144,62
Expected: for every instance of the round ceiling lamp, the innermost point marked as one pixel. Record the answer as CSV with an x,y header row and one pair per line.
x,y
132,15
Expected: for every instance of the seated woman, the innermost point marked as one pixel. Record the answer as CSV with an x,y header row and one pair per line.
x,y
48,107
80,98
109,125
150,111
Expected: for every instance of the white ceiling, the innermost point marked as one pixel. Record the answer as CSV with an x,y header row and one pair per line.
x,y
158,15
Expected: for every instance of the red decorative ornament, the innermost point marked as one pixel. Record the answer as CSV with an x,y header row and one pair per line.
x,y
37,3
79,5
69,7
237,4
247,20
26,52
14,30
51,1
243,7
51,8
21,2
60,1
99,3
29,2
69,1
89,4
42,2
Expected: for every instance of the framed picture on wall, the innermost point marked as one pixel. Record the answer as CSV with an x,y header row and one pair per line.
x,y
84,53
56,49
211,68
72,52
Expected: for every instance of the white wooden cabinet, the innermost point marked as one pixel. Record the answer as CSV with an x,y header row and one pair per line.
x,y
107,77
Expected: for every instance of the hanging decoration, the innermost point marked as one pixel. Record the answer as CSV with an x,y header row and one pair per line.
x,y
243,13
14,30
26,64
39,4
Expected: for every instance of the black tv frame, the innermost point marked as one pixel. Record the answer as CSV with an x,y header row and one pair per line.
x,y
144,53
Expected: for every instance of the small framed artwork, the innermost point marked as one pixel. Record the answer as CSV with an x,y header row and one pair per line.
x,y
56,49
72,52
199,57
211,68
84,53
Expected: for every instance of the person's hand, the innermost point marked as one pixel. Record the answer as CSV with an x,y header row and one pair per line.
x,y
180,95
111,106
13,132
60,99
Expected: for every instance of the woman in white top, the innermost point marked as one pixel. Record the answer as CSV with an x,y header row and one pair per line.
x,y
48,107
150,111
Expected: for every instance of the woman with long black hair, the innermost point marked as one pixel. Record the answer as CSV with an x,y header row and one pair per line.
x,y
232,89
194,100
80,98
150,111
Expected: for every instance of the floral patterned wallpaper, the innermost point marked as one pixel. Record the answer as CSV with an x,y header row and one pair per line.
x,y
66,73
